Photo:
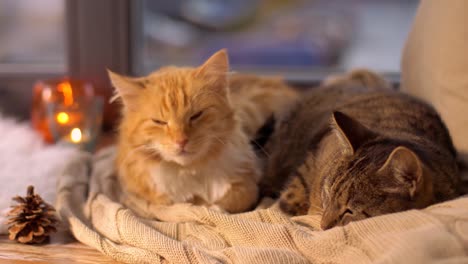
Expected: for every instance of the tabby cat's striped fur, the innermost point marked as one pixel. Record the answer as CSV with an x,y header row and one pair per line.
x,y
358,149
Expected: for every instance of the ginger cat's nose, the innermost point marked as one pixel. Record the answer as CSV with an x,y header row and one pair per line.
x,y
181,142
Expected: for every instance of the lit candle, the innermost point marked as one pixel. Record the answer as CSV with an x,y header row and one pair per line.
x,y
62,118
75,135
62,101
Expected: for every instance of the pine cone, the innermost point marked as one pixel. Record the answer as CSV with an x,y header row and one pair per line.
x,y
32,220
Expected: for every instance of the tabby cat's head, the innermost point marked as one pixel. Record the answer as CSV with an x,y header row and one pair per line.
x,y
372,176
179,114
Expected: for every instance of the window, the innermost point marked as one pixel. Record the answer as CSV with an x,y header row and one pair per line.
x,y
32,33
32,47
300,39
294,38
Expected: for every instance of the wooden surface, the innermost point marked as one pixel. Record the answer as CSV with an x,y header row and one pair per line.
x,y
62,248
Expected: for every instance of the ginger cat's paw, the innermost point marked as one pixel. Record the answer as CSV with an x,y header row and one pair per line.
x,y
216,208
159,199
240,197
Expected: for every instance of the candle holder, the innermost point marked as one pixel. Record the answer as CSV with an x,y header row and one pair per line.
x,y
78,124
62,91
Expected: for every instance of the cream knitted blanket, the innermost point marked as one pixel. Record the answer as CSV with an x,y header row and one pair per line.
x,y
89,201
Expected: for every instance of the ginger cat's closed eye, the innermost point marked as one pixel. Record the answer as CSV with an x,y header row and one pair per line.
x,y
185,132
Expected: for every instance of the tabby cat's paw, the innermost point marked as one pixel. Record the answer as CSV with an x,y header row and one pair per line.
x,y
294,207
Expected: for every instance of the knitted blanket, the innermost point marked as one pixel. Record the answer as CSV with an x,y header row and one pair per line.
x,y
90,202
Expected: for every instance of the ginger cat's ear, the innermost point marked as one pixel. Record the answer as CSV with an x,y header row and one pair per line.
x,y
126,88
349,132
405,167
215,69
218,63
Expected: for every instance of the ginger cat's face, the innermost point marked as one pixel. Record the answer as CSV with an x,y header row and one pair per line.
x,y
178,114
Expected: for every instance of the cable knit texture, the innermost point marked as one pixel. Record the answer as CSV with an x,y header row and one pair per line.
x,y
94,208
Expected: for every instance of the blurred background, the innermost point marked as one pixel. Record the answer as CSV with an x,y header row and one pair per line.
x,y
275,35
302,40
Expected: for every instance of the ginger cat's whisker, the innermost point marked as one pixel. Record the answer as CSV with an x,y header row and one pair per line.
x,y
218,139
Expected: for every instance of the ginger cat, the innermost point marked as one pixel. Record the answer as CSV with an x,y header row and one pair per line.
x,y
185,133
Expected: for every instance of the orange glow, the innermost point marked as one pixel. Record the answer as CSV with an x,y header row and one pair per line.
x,y
62,118
75,135
46,95
66,89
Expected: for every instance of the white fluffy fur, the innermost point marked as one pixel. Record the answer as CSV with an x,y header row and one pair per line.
x,y
26,160
210,181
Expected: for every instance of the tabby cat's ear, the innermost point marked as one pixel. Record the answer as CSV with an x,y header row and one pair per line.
x,y
126,88
405,166
350,133
215,69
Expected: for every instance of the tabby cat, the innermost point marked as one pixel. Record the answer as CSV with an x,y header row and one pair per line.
x,y
184,134
358,149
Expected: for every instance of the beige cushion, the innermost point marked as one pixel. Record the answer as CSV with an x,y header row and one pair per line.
x,y
435,64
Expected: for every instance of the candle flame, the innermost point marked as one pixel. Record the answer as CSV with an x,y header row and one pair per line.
x,y
66,89
75,135
62,118
46,94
